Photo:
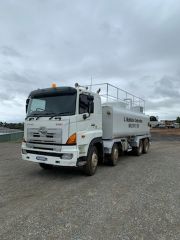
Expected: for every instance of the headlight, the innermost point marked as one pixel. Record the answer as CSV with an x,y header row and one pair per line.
x,y
67,156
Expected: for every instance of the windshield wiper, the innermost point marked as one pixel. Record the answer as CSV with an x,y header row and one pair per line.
x,y
38,115
45,114
31,115
58,115
51,114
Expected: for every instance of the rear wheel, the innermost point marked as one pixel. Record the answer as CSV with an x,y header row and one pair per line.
x,y
114,155
145,145
138,150
45,166
92,161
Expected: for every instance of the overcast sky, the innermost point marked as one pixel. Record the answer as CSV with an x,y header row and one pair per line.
x,y
133,44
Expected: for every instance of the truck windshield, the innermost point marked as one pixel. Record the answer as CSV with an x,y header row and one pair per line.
x,y
60,105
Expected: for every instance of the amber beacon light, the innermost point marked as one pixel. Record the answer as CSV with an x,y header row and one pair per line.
x,y
53,85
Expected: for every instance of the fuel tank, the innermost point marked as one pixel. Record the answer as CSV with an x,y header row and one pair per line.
x,y
117,121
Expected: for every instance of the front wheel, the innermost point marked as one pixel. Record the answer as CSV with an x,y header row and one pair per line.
x,y
45,166
92,161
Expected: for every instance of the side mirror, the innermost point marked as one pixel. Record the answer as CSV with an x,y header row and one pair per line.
x,y
91,104
90,98
91,107
27,103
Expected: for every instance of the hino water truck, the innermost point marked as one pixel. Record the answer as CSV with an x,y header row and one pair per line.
x,y
82,126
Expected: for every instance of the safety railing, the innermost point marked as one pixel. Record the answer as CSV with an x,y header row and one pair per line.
x,y
110,93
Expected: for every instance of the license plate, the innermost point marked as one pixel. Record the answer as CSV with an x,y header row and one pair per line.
x,y
41,158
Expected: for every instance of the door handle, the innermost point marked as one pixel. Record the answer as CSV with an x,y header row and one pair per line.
x,y
93,125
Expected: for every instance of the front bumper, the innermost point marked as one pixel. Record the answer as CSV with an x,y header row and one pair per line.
x,y
53,158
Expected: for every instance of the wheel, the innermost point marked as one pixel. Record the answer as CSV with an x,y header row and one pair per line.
x,y
138,150
92,161
114,155
145,145
45,166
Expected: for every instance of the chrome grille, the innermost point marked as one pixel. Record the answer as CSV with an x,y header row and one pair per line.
x,y
44,138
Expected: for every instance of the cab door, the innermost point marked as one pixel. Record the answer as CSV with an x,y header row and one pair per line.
x,y
86,124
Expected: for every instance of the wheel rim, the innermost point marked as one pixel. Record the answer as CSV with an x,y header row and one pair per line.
x,y
115,154
94,161
140,148
146,146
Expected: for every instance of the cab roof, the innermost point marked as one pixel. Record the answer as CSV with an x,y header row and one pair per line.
x,y
52,91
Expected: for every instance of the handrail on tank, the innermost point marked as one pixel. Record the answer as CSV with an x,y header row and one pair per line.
x,y
130,99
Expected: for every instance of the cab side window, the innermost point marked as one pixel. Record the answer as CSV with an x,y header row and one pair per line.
x,y
85,103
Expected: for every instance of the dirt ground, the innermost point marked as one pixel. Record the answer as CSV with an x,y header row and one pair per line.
x,y
166,131
139,199
164,134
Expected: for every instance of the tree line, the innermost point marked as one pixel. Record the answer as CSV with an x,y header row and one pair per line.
x,y
178,120
12,125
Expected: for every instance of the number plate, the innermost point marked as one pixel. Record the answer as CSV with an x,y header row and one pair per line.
x,y
41,158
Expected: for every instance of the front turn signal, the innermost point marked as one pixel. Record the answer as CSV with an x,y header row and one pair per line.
x,y
72,139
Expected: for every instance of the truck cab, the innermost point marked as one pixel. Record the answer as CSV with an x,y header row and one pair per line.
x,y
63,127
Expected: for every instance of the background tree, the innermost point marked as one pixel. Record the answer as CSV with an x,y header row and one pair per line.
x,y
178,120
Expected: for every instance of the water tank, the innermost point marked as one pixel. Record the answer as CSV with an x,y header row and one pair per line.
x,y
120,122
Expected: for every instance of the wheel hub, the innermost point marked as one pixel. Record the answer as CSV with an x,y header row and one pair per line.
x,y
94,160
115,154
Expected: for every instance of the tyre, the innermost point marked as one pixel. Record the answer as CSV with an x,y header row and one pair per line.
x,y
145,145
138,150
45,166
92,161
113,159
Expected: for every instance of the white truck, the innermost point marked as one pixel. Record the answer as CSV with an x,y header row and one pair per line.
x,y
80,127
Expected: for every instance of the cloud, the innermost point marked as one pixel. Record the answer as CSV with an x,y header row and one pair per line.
x,y
167,87
8,51
131,44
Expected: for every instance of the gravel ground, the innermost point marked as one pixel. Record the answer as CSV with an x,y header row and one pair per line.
x,y
137,199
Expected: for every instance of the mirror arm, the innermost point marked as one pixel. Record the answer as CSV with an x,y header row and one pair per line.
x,y
85,116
